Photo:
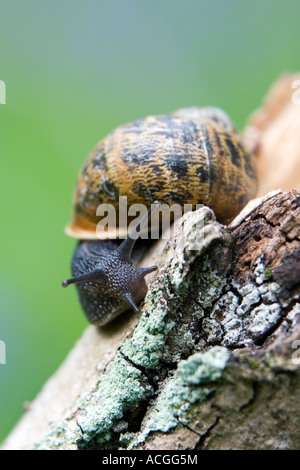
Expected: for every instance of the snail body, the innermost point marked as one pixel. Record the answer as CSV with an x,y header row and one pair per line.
x,y
107,281
192,156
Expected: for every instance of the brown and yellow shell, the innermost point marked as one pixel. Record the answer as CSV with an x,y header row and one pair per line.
x,y
192,156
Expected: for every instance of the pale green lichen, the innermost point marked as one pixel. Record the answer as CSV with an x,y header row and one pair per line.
x,y
260,274
249,299
182,391
149,337
243,314
204,367
54,439
196,232
122,387
268,273
230,314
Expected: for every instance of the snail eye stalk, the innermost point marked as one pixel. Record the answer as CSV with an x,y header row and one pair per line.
x,y
116,275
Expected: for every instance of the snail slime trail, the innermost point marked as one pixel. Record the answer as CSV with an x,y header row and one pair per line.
x,y
189,157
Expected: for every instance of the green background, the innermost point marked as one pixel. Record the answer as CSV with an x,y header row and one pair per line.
x,y
74,70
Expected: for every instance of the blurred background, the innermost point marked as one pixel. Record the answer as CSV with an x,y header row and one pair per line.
x,y
74,70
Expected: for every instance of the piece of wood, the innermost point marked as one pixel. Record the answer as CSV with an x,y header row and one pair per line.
x,y
273,132
213,346
213,361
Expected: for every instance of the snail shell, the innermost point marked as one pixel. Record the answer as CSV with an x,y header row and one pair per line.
x,y
192,156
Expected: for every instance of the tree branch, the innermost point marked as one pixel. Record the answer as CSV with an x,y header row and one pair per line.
x,y
211,363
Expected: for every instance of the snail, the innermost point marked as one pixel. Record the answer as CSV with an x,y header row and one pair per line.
x,y
191,156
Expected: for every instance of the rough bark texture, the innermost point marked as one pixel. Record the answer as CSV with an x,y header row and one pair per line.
x,y
273,132
211,363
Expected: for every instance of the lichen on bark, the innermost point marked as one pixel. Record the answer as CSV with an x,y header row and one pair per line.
x,y
204,308
213,360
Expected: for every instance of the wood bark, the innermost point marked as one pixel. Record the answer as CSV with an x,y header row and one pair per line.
x,y
213,361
